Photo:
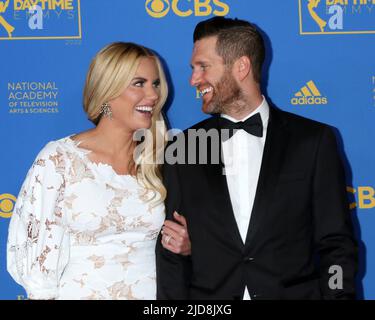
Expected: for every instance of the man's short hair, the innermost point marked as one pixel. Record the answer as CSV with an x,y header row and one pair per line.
x,y
235,38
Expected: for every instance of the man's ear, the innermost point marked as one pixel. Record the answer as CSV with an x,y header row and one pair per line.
x,y
242,68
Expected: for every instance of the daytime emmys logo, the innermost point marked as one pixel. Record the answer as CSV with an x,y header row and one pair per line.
x,y
40,19
336,17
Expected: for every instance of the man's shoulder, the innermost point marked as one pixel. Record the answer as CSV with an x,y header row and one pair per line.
x,y
298,122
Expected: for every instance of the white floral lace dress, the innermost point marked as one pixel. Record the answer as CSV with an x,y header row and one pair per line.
x,y
80,231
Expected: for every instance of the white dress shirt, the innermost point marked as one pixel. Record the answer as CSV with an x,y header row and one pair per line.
x,y
242,156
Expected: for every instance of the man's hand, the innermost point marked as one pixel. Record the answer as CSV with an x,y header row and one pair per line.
x,y
175,235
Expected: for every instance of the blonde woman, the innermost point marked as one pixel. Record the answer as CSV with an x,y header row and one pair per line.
x,y
87,217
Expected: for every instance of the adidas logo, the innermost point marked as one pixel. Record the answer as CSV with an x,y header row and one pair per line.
x,y
309,94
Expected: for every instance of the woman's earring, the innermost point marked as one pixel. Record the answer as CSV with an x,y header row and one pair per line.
x,y
106,110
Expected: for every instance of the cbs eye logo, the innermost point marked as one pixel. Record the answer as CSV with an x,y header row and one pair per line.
x,y
157,8
7,202
160,8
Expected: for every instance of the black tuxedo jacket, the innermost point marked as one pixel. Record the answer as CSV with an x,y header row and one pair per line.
x,y
300,227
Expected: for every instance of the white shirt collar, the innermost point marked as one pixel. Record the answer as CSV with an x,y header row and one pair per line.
x,y
263,109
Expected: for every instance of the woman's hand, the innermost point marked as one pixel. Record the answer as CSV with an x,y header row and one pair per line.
x,y
175,235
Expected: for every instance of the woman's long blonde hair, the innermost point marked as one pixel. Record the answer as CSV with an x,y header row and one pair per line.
x,y
110,72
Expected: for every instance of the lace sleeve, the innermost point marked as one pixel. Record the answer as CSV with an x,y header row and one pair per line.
x,y
38,243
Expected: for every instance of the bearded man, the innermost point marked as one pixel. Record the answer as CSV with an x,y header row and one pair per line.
x,y
270,220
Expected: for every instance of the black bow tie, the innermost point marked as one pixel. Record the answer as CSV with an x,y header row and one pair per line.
x,y
253,125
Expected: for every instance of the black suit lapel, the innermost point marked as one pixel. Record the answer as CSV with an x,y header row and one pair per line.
x,y
273,155
221,198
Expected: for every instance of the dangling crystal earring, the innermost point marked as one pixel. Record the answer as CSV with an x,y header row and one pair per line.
x,y
106,110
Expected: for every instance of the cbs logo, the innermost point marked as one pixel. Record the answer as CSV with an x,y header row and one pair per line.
x,y
184,8
365,196
7,202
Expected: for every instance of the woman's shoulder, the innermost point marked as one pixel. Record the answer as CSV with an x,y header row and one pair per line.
x,y
85,139
65,149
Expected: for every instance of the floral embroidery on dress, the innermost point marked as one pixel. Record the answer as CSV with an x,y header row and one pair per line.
x,y
99,261
68,201
121,290
83,238
40,162
37,179
95,295
79,169
58,210
42,258
58,160
33,228
32,197
82,281
123,259
90,233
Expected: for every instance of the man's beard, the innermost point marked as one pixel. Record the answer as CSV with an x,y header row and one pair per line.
x,y
226,95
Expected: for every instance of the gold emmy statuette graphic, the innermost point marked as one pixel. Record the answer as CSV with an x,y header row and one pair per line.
x,y
3,22
313,4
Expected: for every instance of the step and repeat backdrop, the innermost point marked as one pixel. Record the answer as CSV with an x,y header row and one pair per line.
x,y
320,65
